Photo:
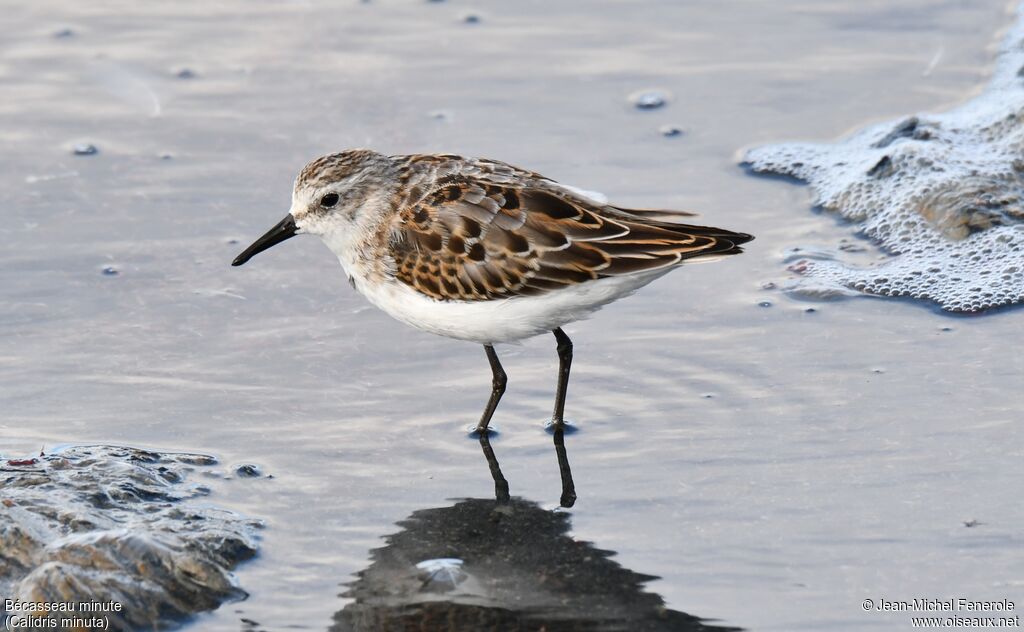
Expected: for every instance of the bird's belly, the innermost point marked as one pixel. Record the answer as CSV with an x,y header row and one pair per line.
x,y
503,320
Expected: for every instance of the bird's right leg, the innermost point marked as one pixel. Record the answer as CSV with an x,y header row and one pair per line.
x,y
498,381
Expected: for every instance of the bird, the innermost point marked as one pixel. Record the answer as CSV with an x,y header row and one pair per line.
x,y
480,250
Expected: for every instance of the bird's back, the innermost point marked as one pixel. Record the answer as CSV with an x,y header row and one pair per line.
x,y
477,230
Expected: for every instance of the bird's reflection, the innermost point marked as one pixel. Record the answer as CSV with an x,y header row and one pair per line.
x,y
568,498
502,564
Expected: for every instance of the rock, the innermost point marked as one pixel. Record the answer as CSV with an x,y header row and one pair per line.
x,y
85,149
99,524
248,470
649,99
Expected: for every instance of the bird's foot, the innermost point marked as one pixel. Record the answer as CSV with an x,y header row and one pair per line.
x,y
568,498
566,426
474,431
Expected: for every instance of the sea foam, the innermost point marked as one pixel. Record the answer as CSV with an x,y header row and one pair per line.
x,y
941,194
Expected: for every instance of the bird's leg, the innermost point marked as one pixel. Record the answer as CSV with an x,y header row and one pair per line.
x,y
557,417
568,488
564,362
498,381
500,484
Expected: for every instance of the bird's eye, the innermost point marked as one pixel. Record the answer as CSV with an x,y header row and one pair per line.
x,y
329,200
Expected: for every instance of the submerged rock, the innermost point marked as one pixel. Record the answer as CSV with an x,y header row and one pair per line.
x,y
101,525
649,99
84,149
248,470
940,193
670,131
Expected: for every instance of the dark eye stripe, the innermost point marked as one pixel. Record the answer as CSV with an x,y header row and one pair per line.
x,y
329,200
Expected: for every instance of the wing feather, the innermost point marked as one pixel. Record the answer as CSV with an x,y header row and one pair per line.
x,y
481,230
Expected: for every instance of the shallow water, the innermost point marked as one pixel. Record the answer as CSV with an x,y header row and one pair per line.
x,y
774,466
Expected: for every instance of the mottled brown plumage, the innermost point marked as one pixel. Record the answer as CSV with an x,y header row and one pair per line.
x,y
472,230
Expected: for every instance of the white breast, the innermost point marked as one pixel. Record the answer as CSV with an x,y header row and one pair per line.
x,y
504,320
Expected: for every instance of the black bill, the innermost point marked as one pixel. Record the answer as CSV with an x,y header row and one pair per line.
x,y
285,229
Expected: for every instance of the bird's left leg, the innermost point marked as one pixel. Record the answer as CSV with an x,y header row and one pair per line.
x,y
557,417
564,362
498,381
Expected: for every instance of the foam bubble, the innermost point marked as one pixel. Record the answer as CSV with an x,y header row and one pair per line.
x,y
941,194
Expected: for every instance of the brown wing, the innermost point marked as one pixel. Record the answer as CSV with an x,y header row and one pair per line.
x,y
472,239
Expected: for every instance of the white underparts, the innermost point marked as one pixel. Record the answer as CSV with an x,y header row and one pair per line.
x,y
503,320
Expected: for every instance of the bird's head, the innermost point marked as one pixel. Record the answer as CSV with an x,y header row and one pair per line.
x,y
329,192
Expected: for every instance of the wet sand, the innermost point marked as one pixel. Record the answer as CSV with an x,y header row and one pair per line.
x,y
774,466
